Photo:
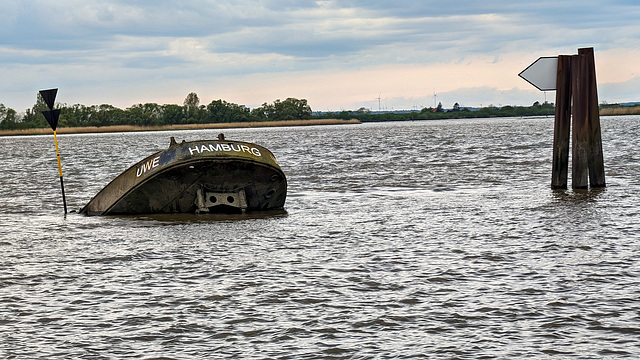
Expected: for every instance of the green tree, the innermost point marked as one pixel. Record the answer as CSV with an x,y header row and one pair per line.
x,y
191,107
289,109
106,115
220,111
33,117
8,118
264,112
149,114
191,102
75,115
3,115
173,114
292,109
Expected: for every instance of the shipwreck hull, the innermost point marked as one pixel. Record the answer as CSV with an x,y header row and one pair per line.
x,y
195,177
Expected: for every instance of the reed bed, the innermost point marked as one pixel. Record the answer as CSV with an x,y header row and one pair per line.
x,y
130,128
622,110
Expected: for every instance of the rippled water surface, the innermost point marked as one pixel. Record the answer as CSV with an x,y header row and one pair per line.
x,y
433,239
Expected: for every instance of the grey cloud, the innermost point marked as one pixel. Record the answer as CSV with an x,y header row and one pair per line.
x,y
297,28
290,35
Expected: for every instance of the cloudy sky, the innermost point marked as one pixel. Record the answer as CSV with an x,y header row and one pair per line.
x,y
336,54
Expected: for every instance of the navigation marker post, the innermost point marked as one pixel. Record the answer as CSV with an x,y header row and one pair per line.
x,y
52,117
574,79
542,73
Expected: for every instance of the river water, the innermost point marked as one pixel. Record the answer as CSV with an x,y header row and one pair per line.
x,y
431,239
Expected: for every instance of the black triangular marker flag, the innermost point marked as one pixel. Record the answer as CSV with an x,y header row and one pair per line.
x,y
52,117
49,97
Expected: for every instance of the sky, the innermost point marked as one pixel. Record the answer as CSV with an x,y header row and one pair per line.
x,y
338,55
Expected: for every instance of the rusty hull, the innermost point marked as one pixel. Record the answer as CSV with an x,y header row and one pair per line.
x,y
195,177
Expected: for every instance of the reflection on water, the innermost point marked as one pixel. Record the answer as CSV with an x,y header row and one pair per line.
x,y
578,195
209,217
433,239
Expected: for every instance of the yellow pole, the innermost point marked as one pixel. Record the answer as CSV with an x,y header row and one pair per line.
x,y
64,200
57,153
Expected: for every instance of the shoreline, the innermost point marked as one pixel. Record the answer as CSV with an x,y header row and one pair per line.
x,y
133,128
606,111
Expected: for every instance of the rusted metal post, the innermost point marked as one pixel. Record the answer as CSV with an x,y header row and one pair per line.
x,y
562,125
594,138
580,167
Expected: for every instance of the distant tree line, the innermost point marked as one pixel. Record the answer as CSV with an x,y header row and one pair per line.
x,y
152,114
220,111
365,115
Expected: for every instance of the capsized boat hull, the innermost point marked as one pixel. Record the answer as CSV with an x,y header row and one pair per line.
x,y
195,177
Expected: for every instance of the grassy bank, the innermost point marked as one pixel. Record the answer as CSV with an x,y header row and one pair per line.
x,y
129,128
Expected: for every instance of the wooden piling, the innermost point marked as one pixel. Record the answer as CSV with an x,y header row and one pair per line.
x,y
595,158
562,124
576,114
580,167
